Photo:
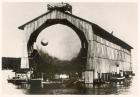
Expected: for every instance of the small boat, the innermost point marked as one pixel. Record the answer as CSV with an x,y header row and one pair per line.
x,y
17,80
117,79
20,77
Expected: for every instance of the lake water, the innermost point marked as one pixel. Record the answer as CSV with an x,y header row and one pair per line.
x,y
24,89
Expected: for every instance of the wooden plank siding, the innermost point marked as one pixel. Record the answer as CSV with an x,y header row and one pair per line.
x,y
108,55
105,51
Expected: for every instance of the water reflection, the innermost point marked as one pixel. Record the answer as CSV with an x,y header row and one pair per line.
x,y
104,89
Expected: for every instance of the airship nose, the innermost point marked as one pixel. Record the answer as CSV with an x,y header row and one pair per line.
x,y
44,42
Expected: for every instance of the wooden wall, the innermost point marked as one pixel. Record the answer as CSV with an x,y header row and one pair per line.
x,y
107,56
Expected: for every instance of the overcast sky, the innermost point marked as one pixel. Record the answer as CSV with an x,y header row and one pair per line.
x,y
118,17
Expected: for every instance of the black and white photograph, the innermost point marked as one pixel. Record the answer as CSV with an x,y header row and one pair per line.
x,y
69,48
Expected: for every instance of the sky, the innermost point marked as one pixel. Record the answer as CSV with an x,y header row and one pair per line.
x,y
121,18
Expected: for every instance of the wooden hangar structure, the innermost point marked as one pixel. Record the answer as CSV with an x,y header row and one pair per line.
x,y
105,53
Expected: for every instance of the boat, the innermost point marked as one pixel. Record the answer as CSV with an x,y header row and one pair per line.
x,y
17,81
117,78
21,77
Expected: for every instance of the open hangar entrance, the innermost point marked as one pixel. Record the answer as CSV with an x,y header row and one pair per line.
x,y
52,67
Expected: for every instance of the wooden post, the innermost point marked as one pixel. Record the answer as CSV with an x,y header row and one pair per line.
x,y
89,77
